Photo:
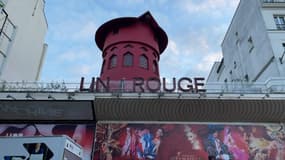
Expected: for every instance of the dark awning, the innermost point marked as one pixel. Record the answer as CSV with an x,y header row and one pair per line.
x,y
92,107
193,110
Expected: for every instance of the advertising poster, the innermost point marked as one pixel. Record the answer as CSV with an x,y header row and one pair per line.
x,y
82,134
190,141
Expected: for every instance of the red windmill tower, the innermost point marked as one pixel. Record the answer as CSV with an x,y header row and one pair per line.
x,y
131,47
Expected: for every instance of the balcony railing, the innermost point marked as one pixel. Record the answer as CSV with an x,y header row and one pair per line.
x,y
274,1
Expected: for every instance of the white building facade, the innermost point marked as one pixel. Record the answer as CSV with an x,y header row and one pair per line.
x,y
254,46
22,48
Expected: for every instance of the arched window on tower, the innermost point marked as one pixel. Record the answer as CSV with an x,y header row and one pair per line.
x,y
113,61
128,59
154,67
143,62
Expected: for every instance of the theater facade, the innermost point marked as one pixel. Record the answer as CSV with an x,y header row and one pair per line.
x,y
129,112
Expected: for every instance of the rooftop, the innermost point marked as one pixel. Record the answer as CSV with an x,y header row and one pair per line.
x,y
147,18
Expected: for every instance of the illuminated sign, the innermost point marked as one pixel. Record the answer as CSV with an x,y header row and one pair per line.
x,y
139,84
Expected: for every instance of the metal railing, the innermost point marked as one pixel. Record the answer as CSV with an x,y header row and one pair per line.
x,y
272,87
38,87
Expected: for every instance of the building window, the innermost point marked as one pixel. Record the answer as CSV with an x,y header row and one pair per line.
x,y
250,44
128,59
143,62
280,22
113,61
154,67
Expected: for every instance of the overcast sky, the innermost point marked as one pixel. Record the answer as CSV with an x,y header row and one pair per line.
x,y
195,30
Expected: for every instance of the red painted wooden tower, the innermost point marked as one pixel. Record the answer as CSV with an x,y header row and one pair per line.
x,y
131,47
